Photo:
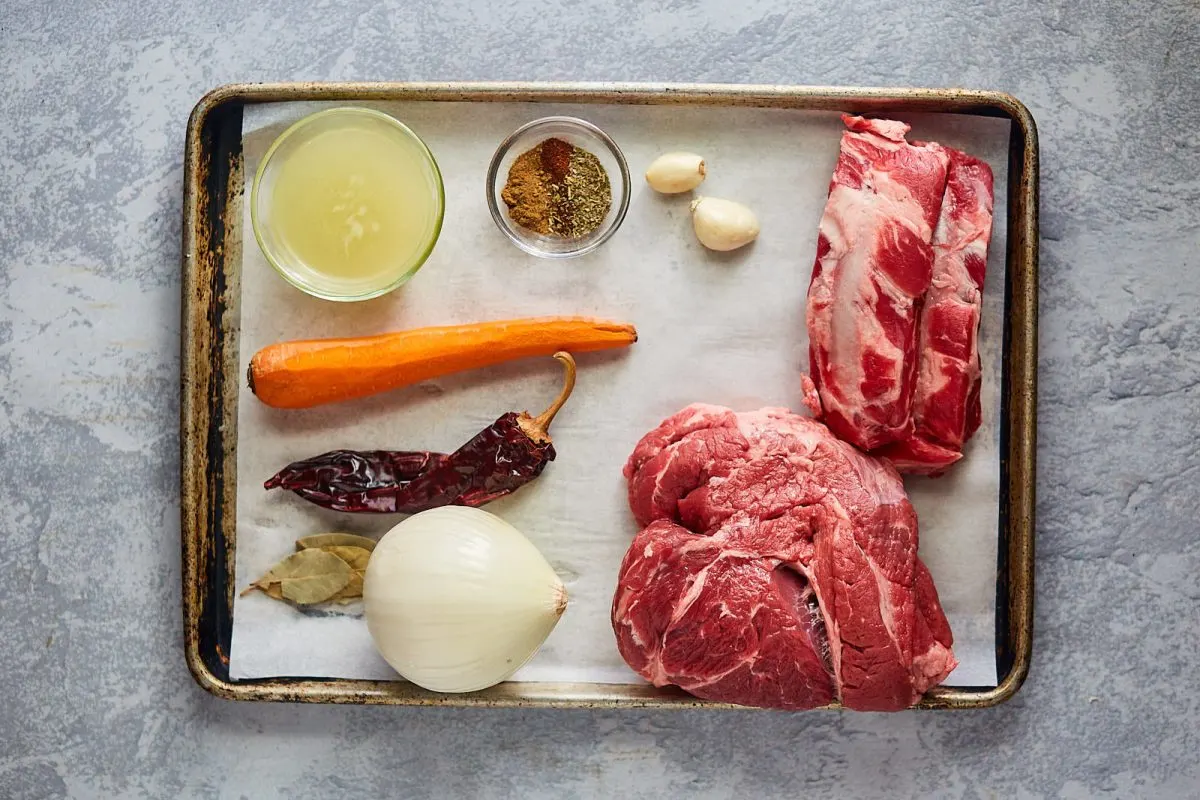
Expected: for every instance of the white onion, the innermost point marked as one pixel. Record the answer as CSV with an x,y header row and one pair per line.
x,y
457,599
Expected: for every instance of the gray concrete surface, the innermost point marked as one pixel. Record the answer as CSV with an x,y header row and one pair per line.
x,y
96,699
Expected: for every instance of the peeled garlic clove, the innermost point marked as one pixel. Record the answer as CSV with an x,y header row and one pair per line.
x,y
676,172
457,600
723,224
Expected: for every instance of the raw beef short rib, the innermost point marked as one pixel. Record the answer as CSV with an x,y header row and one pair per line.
x,y
946,407
874,264
895,297
777,567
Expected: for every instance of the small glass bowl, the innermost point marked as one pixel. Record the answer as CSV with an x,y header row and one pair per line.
x,y
580,133
308,278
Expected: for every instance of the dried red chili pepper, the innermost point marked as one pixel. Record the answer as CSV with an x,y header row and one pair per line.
x,y
497,461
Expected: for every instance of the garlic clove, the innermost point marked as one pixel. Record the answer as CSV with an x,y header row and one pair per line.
x,y
457,600
673,173
723,224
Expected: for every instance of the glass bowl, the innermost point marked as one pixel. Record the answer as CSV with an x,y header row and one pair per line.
x,y
406,159
580,133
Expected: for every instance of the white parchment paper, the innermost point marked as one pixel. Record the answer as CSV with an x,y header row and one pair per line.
x,y
718,328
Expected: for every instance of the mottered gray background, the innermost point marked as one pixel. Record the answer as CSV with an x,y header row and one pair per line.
x,y
97,700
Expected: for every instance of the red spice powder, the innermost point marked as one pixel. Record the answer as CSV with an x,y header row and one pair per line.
x,y
556,158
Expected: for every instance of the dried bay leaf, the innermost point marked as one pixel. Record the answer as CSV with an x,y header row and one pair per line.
x,y
353,590
357,558
306,577
322,540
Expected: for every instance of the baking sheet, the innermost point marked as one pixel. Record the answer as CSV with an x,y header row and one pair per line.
x,y
718,328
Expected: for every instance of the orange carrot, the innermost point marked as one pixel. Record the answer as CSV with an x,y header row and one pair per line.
x,y
308,373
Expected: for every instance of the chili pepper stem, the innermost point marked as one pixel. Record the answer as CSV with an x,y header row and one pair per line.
x,y
538,428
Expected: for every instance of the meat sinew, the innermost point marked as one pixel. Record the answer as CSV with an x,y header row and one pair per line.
x,y
894,302
777,567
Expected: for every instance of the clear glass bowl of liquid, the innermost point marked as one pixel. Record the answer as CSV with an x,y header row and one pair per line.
x,y
347,204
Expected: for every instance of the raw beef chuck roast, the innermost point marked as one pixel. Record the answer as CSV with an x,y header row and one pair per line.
x,y
894,302
777,567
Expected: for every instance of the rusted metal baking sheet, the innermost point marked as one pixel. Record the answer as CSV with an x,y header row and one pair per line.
x,y
212,241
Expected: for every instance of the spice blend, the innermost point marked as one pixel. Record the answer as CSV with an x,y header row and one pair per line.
x,y
558,189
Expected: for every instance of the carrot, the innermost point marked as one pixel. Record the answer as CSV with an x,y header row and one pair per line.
x,y
306,373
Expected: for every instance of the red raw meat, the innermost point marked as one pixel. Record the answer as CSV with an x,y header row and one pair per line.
x,y
777,567
874,263
945,408
894,302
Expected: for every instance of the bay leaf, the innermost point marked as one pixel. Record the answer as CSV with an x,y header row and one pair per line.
x,y
353,590
322,540
306,577
357,558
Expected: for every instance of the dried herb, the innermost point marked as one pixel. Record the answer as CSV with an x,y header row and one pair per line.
x,y
558,189
322,540
306,577
497,461
356,558
586,193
